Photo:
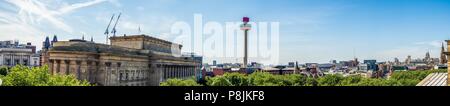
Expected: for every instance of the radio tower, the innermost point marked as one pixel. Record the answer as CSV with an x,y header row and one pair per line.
x,y
246,27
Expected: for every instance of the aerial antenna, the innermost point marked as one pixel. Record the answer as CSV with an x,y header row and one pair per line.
x,y
114,28
107,29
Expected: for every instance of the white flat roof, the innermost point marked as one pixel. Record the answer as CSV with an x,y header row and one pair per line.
x,y
434,79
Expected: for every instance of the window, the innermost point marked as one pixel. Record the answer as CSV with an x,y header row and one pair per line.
x,y
138,74
8,62
120,76
16,61
126,76
132,77
25,62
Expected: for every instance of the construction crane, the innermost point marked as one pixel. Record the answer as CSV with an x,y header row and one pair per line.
x,y
107,29
114,28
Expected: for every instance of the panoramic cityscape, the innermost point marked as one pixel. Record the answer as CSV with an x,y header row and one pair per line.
x,y
307,43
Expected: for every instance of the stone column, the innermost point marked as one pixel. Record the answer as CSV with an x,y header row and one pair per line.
x,y
89,66
62,67
173,72
105,73
67,68
50,67
79,72
95,70
189,71
177,72
57,65
83,68
183,72
115,75
163,70
13,60
159,75
73,68
133,73
192,71
169,71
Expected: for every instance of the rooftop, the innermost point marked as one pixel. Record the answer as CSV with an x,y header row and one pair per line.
x,y
434,79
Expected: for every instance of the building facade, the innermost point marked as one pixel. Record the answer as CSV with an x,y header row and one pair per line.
x,y
136,60
12,53
448,63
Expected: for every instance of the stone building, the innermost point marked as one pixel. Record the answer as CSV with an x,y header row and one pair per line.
x,y
136,60
448,62
12,53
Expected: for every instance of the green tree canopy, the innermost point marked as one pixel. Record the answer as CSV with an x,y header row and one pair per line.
x,y
3,70
401,78
38,76
179,82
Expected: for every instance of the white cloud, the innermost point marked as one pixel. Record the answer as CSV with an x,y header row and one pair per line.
x,y
39,9
416,50
21,19
435,43
72,7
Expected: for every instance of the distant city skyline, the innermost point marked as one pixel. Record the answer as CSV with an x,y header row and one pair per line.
x,y
311,31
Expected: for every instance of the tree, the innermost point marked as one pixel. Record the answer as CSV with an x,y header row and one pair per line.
x,y
180,82
330,80
237,79
38,76
352,80
262,79
229,79
218,81
406,78
3,70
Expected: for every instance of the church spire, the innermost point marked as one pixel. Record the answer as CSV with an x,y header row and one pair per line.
x,y
443,59
55,39
46,43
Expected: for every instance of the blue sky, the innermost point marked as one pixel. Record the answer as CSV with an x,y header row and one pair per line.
x,y
310,30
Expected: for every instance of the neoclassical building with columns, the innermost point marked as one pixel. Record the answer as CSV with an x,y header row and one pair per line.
x,y
135,60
